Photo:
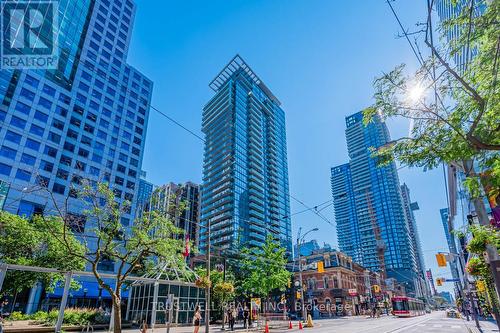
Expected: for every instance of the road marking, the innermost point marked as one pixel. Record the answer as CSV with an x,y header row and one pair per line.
x,y
455,327
437,326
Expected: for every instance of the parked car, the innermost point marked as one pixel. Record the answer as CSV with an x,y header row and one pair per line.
x,y
452,313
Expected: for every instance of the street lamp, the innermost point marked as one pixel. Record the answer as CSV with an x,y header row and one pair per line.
x,y
299,241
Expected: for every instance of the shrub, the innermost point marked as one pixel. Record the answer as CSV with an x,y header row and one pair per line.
x,y
16,316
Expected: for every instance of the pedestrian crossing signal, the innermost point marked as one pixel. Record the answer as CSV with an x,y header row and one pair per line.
x,y
441,259
376,288
298,295
439,282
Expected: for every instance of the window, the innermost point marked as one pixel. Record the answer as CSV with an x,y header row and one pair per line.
x,y
20,106
23,175
42,181
106,265
32,144
28,159
41,116
45,103
69,146
56,138
27,94
58,188
52,152
49,90
18,122
37,130
72,134
80,165
76,222
83,153
13,137
75,121
94,171
31,81
61,111
46,166
8,152
119,180
65,160
62,174
28,209
57,124
5,169
121,168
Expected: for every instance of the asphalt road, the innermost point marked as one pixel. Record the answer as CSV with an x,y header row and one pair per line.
x,y
435,322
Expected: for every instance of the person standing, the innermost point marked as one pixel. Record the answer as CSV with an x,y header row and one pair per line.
x,y
246,316
233,318
3,304
196,319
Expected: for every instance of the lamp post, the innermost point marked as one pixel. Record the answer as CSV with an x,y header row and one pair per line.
x,y
299,240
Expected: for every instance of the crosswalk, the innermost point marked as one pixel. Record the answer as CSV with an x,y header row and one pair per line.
x,y
444,326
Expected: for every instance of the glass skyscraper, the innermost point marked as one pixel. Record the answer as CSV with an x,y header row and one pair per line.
x,y
368,201
245,194
87,119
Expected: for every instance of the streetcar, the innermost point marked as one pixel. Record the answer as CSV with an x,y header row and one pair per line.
x,y
407,307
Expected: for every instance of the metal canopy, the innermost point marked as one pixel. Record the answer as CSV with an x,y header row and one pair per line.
x,y
236,64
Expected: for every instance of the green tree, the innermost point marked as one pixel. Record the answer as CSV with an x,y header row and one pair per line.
x,y
453,111
25,242
222,287
263,269
139,249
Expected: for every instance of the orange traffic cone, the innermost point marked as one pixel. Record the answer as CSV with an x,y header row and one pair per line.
x,y
290,325
266,330
300,325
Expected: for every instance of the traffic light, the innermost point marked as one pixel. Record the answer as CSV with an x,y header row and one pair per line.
x,y
439,282
441,259
376,288
297,296
321,267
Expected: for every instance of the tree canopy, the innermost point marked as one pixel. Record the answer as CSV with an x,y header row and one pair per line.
x,y
25,242
454,109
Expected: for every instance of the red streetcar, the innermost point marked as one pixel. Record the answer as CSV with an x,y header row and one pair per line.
x,y
407,307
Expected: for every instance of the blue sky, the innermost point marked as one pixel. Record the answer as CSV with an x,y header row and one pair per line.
x,y
319,57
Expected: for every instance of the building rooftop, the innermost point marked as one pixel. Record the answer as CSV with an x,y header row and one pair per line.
x,y
236,64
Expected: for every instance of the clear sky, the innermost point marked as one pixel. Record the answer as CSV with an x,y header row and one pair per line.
x,y
319,57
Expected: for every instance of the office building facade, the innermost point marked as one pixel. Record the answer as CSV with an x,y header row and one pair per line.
x,y
369,207
181,202
87,119
245,195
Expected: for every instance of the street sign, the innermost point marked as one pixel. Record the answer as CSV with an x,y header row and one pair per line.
x,y
451,280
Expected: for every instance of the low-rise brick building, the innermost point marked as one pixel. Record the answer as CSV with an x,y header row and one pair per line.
x,y
339,286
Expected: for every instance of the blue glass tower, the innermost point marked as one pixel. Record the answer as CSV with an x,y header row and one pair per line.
x,y
368,201
86,119
245,174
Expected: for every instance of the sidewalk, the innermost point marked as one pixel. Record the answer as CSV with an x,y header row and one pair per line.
x,y
190,329
486,326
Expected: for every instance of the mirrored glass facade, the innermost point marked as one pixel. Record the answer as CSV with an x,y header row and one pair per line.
x,y
367,196
245,194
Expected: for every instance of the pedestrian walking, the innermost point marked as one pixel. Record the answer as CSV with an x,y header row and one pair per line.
x,y
196,319
3,306
233,318
246,317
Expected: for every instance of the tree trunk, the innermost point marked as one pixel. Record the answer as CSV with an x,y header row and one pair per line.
x,y
117,319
